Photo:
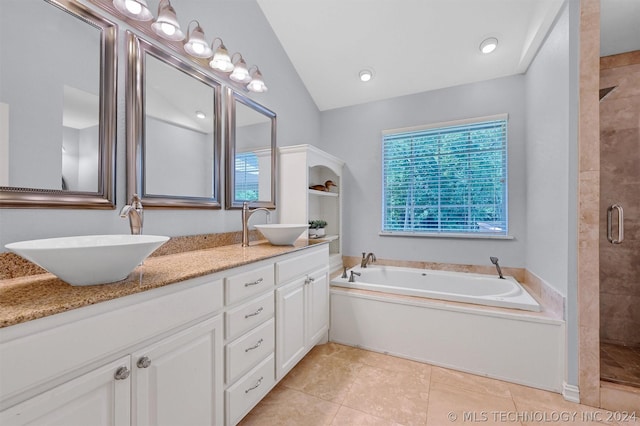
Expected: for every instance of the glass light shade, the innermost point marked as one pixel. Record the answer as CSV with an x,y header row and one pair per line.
x,y
257,83
134,9
167,26
197,45
240,72
221,60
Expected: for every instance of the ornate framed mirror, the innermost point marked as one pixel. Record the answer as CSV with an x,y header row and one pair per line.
x,y
173,130
57,106
251,153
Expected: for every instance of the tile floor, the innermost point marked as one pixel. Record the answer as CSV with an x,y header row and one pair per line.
x,y
341,385
620,364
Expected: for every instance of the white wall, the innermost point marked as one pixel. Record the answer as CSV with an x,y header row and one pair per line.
x,y
243,27
354,135
547,158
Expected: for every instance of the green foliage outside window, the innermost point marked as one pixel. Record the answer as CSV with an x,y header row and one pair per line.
x,y
446,180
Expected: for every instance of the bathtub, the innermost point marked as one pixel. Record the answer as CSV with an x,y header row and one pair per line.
x,y
514,345
464,287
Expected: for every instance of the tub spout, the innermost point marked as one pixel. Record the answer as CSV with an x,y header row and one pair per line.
x,y
494,260
366,259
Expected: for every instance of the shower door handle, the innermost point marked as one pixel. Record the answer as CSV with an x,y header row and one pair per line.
x,y
620,224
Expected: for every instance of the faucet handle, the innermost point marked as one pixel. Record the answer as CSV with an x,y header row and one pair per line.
x,y
364,254
344,273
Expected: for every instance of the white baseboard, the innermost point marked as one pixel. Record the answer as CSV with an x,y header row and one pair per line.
x,y
570,392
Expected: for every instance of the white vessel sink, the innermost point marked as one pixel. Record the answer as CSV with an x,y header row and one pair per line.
x,y
89,259
282,234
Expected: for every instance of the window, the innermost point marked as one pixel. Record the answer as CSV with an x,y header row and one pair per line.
x,y
247,174
446,179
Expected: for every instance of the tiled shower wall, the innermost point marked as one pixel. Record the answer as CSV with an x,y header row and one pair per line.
x,y
620,183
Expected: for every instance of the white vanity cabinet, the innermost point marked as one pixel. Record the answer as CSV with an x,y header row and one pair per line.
x,y
201,352
159,359
250,338
302,307
94,398
179,379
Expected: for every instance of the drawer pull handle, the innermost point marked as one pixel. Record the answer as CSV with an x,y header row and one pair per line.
x,y
309,280
256,282
260,309
256,346
254,386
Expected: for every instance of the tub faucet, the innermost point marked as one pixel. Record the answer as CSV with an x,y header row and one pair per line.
x,y
344,273
367,258
494,260
352,278
135,212
246,214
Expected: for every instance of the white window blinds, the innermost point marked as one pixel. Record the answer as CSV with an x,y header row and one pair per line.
x,y
246,178
446,180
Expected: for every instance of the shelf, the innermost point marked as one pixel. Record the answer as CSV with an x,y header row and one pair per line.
x,y
322,193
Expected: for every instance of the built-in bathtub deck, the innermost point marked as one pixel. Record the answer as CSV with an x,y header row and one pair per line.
x,y
509,344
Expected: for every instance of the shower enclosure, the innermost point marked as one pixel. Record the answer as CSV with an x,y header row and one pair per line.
x,y
620,218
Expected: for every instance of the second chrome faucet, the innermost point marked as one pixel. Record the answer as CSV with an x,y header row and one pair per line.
x,y
135,213
246,215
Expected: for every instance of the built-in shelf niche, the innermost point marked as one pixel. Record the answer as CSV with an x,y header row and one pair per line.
x,y
302,166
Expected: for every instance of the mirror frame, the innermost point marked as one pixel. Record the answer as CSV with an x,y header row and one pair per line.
x,y
104,198
138,48
230,134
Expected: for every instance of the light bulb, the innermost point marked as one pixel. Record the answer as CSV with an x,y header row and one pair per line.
x,y
168,29
365,75
489,45
133,6
198,48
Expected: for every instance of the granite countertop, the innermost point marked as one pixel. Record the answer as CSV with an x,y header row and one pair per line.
x,y
31,297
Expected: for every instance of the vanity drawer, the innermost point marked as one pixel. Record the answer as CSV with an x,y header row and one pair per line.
x,y
246,316
296,267
245,284
244,352
242,396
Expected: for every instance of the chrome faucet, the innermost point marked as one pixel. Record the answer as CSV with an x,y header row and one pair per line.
x,y
246,214
494,260
135,212
366,259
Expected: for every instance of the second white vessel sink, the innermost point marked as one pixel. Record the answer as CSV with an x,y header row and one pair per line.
x,y
89,259
282,234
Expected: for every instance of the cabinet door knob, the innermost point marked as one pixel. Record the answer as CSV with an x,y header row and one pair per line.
x,y
144,362
122,373
309,280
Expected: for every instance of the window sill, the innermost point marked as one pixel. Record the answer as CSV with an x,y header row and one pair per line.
x,y
443,235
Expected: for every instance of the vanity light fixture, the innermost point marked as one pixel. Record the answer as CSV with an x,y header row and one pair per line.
x,y
134,9
488,45
240,71
257,83
201,115
365,75
196,44
221,60
166,25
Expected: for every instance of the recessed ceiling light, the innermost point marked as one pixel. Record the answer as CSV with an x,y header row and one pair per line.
x,y
489,45
201,115
365,75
